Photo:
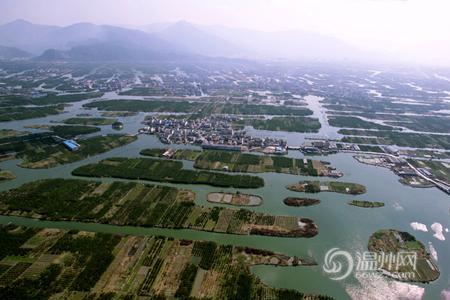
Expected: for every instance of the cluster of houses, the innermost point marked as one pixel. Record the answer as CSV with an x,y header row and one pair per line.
x,y
212,132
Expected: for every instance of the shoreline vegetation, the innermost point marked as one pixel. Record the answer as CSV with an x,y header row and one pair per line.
x,y
245,162
293,201
134,204
237,199
327,186
54,263
394,241
164,171
366,204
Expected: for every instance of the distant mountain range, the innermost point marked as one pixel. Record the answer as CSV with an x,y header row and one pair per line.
x,y
252,43
163,41
187,36
13,53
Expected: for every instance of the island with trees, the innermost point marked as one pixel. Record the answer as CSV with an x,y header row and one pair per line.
x,y
134,204
164,171
294,201
420,269
246,162
366,204
316,186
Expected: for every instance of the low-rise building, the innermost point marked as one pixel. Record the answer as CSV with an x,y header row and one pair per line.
x,y
71,145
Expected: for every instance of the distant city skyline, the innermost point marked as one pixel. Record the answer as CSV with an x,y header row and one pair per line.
x,y
414,30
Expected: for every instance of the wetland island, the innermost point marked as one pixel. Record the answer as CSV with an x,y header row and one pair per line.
x,y
132,170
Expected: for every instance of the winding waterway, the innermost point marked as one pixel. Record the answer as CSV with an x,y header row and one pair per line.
x,y
340,225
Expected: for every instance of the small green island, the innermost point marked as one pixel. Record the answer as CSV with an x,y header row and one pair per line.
x,y
164,171
393,241
293,201
135,204
317,186
237,199
53,263
366,204
117,125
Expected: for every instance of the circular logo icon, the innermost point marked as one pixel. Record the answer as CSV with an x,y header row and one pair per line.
x,y
338,263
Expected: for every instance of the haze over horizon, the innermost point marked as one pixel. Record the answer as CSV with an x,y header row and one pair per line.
x,y
404,30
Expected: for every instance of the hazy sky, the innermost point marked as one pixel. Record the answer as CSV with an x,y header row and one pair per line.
x,y
416,29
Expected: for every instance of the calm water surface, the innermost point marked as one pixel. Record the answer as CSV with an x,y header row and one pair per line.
x,y
340,225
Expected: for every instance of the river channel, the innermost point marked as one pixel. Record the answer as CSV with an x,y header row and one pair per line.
x,y
340,225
